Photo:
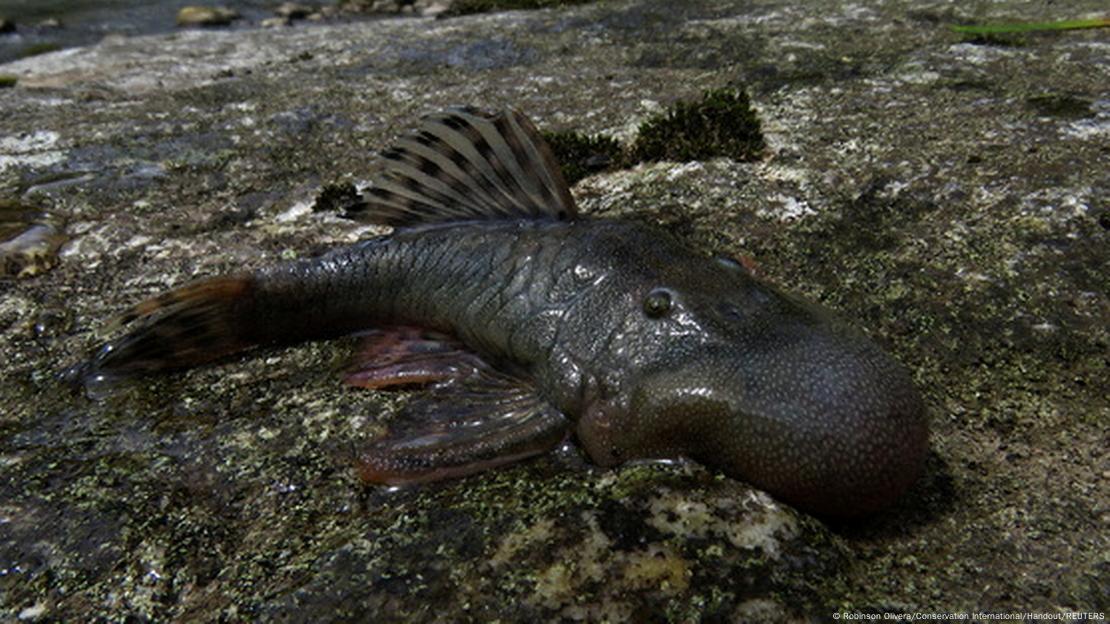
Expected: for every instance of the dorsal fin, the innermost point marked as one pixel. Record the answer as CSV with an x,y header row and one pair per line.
x,y
468,164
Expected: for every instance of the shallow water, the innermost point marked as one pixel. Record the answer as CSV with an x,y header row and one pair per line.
x,y
87,21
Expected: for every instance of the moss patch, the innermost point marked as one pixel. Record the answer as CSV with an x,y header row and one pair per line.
x,y
722,123
7,80
339,197
581,155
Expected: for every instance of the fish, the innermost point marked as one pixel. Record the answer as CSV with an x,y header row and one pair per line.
x,y
527,323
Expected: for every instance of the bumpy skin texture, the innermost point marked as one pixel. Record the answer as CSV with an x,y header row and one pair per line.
x,y
653,350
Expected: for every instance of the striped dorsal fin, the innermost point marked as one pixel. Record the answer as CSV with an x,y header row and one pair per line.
x,y
466,164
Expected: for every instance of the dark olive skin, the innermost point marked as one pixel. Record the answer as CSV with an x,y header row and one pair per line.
x,y
726,370
656,351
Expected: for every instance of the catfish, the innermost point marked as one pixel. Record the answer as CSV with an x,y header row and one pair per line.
x,y
529,323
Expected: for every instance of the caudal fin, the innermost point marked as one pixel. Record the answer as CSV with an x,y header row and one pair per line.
x,y
184,327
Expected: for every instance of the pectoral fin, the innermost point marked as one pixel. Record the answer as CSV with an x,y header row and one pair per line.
x,y
463,428
408,356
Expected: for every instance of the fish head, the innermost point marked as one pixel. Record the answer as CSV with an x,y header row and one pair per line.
x,y
766,387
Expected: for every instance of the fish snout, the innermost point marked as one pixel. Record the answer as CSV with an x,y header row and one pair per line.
x,y
830,424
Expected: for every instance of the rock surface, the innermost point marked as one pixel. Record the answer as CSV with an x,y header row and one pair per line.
x,y
947,195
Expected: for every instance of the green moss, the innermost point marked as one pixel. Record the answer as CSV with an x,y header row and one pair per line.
x,y
36,49
722,123
468,7
7,80
581,155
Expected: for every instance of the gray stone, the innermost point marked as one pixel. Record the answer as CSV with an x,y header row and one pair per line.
x,y
947,195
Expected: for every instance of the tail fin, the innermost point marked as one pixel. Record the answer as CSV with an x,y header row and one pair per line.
x,y
184,327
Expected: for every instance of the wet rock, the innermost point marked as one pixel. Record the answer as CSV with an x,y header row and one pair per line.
x,y
206,16
50,324
637,540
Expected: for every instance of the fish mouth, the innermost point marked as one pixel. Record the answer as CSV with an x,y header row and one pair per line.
x,y
831,425
846,428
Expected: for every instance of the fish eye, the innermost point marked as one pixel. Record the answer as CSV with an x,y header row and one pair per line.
x,y
657,303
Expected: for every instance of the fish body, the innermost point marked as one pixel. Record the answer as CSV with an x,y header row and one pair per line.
x,y
530,323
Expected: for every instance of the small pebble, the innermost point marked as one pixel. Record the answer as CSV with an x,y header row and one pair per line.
x,y
29,240
433,9
206,16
